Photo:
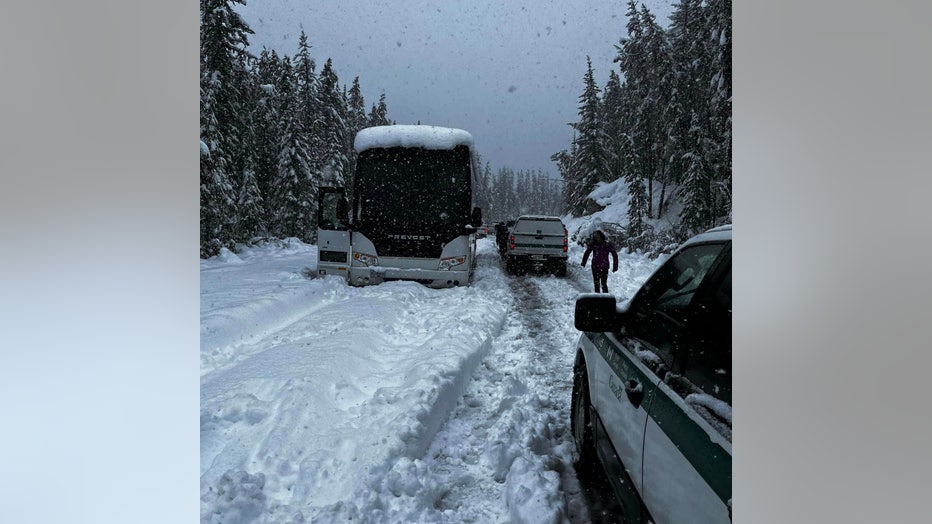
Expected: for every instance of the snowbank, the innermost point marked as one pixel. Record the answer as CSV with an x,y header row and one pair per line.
x,y
316,397
246,296
614,197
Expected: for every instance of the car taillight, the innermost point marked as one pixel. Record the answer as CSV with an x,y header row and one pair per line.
x,y
511,244
565,245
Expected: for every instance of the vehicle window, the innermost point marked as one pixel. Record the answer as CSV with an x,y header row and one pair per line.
x,y
401,187
329,216
663,306
686,271
695,348
709,360
539,227
704,379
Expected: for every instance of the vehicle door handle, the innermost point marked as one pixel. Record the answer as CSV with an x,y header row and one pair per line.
x,y
634,392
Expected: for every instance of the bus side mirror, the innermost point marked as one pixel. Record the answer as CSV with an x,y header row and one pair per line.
x,y
476,217
343,210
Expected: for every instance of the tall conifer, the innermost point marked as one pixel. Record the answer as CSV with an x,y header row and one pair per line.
x,y
333,125
294,190
223,43
590,160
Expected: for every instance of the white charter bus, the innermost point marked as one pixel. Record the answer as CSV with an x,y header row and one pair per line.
x,y
412,215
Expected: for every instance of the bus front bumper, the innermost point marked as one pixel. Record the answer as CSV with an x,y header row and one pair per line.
x,y
365,276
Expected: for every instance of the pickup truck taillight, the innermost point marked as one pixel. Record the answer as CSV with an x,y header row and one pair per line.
x,y
565,244
511,242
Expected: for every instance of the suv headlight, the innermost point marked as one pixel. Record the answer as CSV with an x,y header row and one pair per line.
x,y
447,263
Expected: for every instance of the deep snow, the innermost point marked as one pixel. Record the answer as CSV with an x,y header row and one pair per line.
x,y
397,402
428,137
614,197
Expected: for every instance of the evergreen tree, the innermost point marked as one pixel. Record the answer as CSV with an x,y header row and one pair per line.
x,y
379,114
505,192
666,121
613,126
308,93
305,75
269,125
481,189
640,111
294,189
659,87
698,213
223,43
520,200
333,121
250,208
688,64
310,108
266,122
216,191
567,168
250,213
356,120
590,159
637,195
487,175
718,45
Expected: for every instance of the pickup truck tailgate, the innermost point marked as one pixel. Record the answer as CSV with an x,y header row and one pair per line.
x,y
538,244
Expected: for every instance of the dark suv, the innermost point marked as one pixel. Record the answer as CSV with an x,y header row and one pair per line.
x,y
652,387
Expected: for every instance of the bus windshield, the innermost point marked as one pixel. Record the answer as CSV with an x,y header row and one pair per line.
x,y
412,188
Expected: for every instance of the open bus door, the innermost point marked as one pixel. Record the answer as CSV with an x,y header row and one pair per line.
x,y
334,243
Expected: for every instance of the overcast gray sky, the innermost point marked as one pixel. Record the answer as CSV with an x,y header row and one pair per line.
x,y
509,72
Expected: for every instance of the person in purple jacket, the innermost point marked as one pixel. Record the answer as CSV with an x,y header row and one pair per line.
x,y
600,248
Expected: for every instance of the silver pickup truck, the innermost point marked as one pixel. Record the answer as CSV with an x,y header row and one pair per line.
x,y
538,243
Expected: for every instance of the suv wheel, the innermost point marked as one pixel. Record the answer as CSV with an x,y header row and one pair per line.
x,y
581,421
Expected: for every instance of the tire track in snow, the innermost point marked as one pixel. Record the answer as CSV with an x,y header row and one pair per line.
x,y
587,495
505,453
229,335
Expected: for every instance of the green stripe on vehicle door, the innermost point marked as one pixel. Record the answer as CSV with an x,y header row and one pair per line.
x,y
711,461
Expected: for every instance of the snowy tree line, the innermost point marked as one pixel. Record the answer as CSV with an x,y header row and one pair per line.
x,y
508,194
273,130
663,125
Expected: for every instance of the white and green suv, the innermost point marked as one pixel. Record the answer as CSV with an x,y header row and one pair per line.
x,y
652,387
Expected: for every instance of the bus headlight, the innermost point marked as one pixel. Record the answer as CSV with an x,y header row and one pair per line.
x,y
369,260
447,263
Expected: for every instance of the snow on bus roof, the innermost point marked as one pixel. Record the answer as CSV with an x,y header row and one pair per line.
x,y
428,137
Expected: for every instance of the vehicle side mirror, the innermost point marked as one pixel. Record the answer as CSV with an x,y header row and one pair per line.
x,y
476,217
343,210
597,313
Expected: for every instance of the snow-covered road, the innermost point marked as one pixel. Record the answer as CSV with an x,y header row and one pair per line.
x,y
397,402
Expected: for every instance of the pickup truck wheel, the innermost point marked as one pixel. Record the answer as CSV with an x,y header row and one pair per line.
x,y
561,270
581,422
520,266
